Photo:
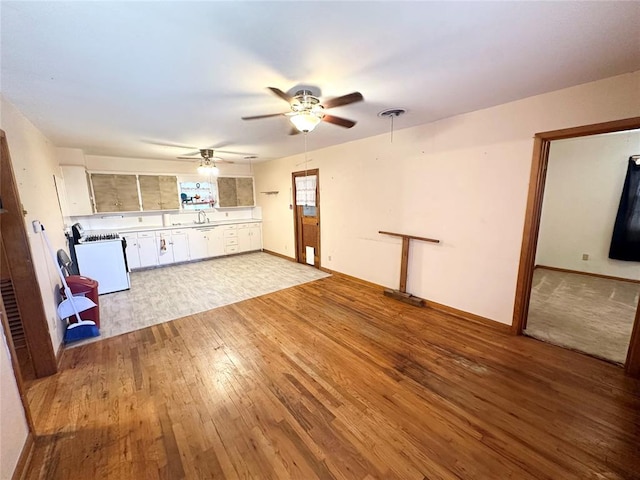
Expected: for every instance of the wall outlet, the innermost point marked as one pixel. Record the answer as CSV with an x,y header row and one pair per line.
x,y
139,219
226,214
585,256
329,257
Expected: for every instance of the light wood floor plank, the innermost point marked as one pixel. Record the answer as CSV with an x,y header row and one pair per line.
x,y
332,380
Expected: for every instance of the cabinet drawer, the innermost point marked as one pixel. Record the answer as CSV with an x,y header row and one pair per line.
x,y
230,248
230,241
179,232
248,225
230,233
229,227
146,234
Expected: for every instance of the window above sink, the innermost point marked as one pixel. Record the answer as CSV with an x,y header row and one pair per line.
x,y
196,195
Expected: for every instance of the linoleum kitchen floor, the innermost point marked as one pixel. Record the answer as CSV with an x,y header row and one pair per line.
x,y
163,294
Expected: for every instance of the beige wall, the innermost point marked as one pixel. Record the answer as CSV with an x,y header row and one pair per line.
x,y
34,164
582,193
13,424
462,180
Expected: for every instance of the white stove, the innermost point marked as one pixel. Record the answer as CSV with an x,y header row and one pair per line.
x,y
101,256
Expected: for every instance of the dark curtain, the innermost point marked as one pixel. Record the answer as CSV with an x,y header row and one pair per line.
x,y
625,242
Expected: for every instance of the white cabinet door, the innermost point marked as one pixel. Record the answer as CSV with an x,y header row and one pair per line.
x,y
197,244
76,185
249,237
255,234
164,247
180,245
215,242
147,249
132,253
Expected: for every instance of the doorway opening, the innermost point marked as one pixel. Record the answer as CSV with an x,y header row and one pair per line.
x,y
539,168
306,213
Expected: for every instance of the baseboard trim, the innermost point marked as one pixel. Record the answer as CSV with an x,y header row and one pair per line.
x,y
19,473
59,355
470,317
454,312
589,274
276,254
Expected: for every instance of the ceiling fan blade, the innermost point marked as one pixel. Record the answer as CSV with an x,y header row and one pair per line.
x,y
255,117
343,122
294,131
169,144
343,100
281,94
190,158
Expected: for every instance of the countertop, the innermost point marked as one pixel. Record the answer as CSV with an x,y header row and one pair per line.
x,y
174,227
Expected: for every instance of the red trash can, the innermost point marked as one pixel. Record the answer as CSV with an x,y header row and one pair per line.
x,y
87,287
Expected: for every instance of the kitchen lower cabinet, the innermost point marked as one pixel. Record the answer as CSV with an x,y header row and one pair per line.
x,y
164,248
230,235
249,237
168,246
198,243
147,249
132,253
180,245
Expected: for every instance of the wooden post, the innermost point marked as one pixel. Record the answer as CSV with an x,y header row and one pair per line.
x,y
402,294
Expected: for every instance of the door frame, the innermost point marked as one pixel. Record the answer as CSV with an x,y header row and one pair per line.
x,y
297,226
541,144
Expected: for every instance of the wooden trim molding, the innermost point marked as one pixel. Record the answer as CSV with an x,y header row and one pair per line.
x,y
469,317
588,274
24,460
22,271
276,254
541,144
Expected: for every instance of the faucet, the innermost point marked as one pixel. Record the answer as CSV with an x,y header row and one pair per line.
x,y
202,217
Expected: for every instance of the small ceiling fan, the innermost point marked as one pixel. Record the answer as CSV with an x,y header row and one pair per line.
x,y
207,155
207,162
307,111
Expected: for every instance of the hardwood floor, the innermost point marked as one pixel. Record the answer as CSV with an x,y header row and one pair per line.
x,y
331,379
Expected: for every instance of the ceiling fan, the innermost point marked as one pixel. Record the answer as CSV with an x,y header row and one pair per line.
x,y
307,111
207,162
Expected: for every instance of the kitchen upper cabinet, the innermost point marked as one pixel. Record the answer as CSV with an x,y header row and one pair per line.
x,y
115,193
78,190
235,192
159,192
249,237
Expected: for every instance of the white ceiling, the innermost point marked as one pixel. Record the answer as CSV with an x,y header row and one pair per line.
x,y
115,78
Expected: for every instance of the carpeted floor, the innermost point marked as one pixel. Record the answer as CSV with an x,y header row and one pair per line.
x,y
162,294
585,313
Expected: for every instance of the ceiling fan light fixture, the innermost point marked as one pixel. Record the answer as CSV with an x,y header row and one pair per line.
x,y
305,121
208,168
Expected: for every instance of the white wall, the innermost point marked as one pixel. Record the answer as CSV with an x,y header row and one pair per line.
x,y
14,429
462,180
582,192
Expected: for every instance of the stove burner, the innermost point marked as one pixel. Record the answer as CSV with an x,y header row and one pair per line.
x,y
101,237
